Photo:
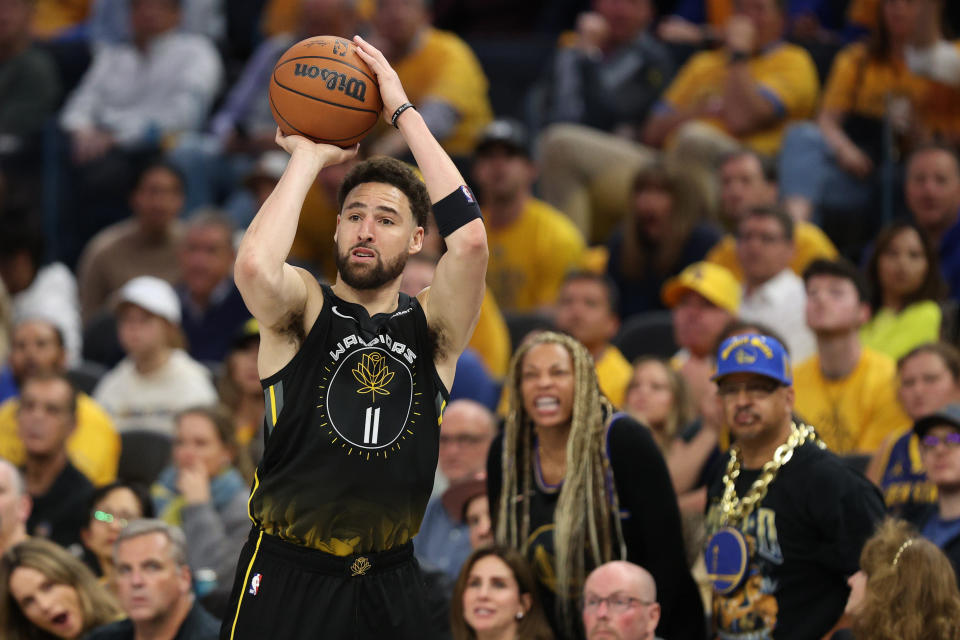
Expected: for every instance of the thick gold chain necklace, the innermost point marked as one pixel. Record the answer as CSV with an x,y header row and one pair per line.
x,y
734,510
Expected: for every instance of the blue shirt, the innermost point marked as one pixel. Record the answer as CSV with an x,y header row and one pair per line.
x,y
950,258
940,532
441,542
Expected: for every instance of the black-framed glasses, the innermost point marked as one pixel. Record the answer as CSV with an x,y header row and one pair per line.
x,y
950,440
617,603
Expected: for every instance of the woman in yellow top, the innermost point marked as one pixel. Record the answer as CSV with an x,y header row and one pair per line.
x,y
832,164
906,288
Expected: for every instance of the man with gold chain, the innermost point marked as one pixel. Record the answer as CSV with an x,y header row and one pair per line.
x,y
787,519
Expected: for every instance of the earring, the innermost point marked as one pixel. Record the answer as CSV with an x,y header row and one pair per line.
x,y
519,615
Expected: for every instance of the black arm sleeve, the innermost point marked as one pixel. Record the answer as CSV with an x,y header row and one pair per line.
x,y
652,529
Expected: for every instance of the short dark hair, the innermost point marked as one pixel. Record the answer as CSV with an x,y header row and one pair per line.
x,y
943,147
605,281
838,268
162,165
776,213
393,172
139,491
768,164
48,376
21,231
933,286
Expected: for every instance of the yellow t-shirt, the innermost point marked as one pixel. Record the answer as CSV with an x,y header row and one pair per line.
x,y
94,447
895,334
530,257
54,16
491,338
613,374
785,72
446,69
811,243
861,85
855,414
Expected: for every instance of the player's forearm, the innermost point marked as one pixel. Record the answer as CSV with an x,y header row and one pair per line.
x,y
439,173
745,109
267,241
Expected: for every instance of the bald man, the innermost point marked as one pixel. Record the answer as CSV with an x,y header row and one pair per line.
x,y
14,506
444,538
620,602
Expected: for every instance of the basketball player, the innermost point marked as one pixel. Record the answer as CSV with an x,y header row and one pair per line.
x,y
355,378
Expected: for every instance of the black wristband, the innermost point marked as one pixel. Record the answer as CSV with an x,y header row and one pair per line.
x,y
456,210
400,109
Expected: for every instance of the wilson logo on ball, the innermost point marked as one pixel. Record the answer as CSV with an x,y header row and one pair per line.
x,y
356,89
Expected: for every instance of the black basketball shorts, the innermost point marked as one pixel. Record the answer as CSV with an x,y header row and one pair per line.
x,y
283,591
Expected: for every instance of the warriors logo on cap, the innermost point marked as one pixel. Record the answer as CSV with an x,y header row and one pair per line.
x,y
754,353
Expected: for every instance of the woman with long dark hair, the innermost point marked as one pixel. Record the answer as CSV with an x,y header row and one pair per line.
x,y
573,485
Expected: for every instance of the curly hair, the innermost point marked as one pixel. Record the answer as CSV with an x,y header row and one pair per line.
x,y
96,604
395,173
915,598
586,517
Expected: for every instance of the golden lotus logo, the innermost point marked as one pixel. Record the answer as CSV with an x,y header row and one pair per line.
x,y
373,375
360,566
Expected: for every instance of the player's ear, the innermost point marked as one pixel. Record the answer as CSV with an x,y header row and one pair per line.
x,y
336,229
416,241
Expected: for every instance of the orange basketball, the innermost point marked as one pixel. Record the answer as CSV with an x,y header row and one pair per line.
x,y
322,90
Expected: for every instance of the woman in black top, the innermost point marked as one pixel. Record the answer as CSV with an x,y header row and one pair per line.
x,y
573,485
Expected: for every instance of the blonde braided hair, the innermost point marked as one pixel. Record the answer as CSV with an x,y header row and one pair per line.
x,y
587,513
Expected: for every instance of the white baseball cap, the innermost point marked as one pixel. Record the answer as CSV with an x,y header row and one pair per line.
x,y
153,295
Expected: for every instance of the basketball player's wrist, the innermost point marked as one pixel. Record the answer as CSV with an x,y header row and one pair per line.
x,y
399,111
456,210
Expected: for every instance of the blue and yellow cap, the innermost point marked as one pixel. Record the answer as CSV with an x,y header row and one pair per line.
x,y
754,353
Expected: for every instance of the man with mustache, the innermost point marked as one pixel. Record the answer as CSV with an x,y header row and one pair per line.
x,y
356,376
787,519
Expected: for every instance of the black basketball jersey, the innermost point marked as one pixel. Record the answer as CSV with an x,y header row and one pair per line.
x,y
352,432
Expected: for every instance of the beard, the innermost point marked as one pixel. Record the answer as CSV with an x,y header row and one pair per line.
x,y
364,277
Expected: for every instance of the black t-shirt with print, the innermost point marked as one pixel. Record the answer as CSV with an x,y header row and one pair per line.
x,y
804,540
648,514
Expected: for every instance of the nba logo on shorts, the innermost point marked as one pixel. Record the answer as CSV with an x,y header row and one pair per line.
x,y
255,584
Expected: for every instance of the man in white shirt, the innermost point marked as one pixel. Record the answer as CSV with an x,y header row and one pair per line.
x,y
773,294
160,84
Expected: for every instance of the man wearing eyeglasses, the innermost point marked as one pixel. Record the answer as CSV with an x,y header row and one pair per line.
x,y
620,602
939,435
444,539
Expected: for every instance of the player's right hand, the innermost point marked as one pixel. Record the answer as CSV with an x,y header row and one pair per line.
x,y
327,154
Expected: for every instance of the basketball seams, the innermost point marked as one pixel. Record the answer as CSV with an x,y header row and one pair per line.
x,y
313,138
332,104
337,60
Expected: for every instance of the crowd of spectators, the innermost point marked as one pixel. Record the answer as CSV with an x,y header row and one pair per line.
x,y
656,177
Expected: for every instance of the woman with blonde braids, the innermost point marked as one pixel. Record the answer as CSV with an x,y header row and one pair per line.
x,y
905,589
573,485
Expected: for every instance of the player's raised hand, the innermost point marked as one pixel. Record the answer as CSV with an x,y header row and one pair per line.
x,y
327,154
391,91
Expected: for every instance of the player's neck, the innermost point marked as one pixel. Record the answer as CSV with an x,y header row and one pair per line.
x,y
380,300
948,501
756,452
839,353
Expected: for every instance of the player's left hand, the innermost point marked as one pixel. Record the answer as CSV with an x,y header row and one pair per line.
x,y
193,483
391,91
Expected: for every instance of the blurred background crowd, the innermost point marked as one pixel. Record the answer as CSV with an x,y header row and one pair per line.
x,y
655,176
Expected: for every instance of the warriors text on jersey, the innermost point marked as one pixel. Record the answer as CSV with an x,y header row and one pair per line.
x,y
353,432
